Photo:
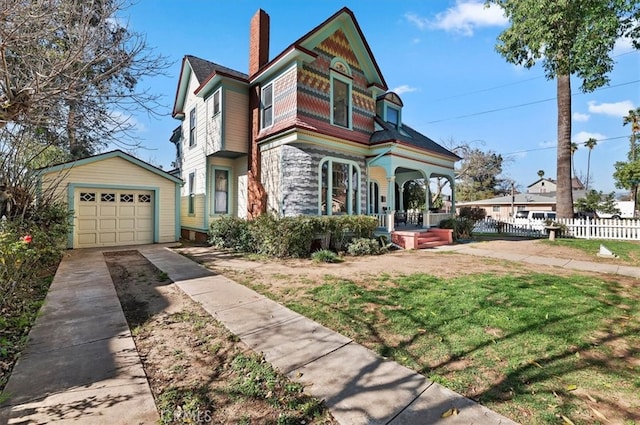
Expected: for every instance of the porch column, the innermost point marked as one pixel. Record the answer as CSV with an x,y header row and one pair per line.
x,y
401,193
391,193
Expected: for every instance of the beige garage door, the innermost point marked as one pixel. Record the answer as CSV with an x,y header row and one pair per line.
x,y
106,217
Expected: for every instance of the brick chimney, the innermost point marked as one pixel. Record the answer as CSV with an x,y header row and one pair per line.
x,y
258,57
258,41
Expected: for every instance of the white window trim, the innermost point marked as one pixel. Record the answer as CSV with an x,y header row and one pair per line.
x,y
213,102
193,130
212,202
271,107
191,195
353,166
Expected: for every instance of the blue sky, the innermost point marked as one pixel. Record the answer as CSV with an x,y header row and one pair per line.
x,y
439,56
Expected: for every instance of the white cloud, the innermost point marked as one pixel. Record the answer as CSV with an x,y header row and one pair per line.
x,y
463,18
548,144
416,20
583,136
404,89
617,109
577,116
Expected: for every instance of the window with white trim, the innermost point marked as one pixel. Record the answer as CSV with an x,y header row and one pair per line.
x,y
339,187
192,195
266,99
221,191
217,96
192,127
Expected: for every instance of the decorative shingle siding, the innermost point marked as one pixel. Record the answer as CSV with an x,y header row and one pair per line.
x,y
284,96
314,85
300,180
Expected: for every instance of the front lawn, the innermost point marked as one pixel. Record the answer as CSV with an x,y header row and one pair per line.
x,y
535,347
627,251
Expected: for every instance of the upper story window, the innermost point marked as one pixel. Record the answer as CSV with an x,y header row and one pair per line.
x,y
216,101
393,116
192,127
341,105
267,106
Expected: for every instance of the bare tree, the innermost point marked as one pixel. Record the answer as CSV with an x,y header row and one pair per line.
x,y
70,71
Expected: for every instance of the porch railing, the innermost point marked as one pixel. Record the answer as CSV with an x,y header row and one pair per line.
x,y
424,219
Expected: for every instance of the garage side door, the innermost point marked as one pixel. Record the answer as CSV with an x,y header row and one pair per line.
x,y
106,217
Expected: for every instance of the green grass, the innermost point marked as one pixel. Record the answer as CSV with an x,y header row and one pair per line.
x,y
515,343
628,251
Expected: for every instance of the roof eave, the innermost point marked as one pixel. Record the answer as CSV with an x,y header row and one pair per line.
x,y
293,53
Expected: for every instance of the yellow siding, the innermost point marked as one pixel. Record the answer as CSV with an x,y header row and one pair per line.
x,y
117,171
196,220
236,122
379,175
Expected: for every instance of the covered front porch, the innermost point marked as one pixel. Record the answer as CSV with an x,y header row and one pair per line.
x,y
390,172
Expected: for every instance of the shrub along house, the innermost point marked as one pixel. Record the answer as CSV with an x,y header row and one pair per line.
x,y
312,131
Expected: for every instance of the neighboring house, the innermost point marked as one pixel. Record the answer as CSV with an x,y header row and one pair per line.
x,y
542,185
550,186
504,207
540,196
116,200
312,131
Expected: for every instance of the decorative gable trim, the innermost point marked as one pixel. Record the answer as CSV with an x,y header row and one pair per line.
x,y
302,50
346,21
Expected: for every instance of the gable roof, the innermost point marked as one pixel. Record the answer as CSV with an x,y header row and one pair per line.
x,y
546,179
408,136
106,155
205,72
343,19
204,69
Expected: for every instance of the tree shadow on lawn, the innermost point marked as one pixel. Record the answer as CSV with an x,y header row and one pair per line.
x,y
593,345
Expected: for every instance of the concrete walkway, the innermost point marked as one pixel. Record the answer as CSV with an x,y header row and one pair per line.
x,y
477,249
357,386
80,364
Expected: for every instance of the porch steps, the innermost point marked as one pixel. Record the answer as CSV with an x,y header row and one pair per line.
x,y
422,239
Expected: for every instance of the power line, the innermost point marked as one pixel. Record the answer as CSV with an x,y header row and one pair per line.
x,y
521,105
455,96
487,89
556,145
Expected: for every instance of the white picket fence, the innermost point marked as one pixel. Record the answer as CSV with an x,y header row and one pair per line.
x,y
601,228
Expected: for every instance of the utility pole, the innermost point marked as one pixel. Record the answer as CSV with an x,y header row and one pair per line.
x,y
513,198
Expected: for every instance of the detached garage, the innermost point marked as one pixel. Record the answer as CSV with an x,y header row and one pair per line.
x,y
116,200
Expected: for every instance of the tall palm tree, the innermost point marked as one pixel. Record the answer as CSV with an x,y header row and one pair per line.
x,y
574,148
590,143
541,173
634,119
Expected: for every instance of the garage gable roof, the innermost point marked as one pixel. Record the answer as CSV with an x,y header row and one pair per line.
x,y
107,155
